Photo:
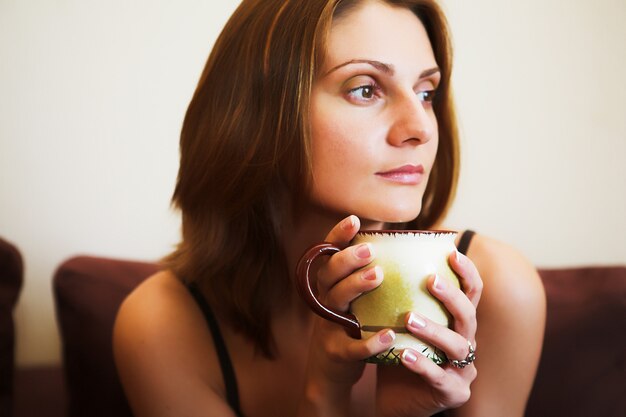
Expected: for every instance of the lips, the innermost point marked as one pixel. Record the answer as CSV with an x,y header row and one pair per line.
x,y
406,174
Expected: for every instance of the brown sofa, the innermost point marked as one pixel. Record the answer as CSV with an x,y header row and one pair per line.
x,y
582,371
88,291
583,365
11,277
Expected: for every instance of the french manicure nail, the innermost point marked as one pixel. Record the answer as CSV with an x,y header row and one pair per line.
x,y
363,251
457,254
438,284
348,223
416,321
387,337
409,356
371,274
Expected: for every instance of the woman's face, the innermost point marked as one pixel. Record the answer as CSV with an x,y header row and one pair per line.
x,y
374,131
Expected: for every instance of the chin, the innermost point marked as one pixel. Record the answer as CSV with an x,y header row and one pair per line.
x,y
392,214
371,212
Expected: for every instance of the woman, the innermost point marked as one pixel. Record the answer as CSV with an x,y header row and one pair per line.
x,y
314,119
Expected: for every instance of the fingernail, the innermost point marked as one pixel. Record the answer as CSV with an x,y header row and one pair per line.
x,y
363,251
372,273
348,223
438,284
457,254
409,356
416,321
387,337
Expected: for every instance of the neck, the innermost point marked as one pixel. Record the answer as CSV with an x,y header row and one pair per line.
x,y
310,226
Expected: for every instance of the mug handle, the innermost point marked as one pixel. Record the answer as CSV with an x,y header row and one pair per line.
x,y
303,280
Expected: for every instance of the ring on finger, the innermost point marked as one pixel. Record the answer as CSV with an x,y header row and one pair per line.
x,y
462,363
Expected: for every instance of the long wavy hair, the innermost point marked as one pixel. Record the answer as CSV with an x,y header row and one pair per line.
x,y
245,153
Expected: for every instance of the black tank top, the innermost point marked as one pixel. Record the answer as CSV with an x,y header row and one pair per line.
x,y
228,373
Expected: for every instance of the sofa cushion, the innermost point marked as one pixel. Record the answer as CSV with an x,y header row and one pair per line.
x,y
583,366
88,292
581,372
39,391
11,277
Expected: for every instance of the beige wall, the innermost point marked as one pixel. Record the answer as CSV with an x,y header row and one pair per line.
x,y
92,97
542,97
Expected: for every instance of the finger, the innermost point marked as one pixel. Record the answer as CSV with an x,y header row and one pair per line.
x,y
341,295
452,343
447,385
380,342
470,279
344,263
432,373
344,231
456,391
456,302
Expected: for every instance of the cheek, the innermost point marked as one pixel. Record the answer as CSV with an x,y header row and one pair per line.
x,y
433,146
336,144
331,159
339,160
327,141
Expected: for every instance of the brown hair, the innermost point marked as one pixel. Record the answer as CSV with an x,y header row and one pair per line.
x,y
245,153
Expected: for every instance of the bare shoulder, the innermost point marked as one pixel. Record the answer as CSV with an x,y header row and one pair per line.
x,y
164,352
160,307
159,293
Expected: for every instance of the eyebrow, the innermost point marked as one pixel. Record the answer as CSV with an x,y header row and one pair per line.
x,y
382,67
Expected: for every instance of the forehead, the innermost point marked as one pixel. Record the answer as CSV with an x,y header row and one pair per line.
x,y
377,30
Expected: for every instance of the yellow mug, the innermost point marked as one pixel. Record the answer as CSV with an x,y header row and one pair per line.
x,y
407,258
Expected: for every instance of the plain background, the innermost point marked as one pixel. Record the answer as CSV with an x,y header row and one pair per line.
x,y
92,96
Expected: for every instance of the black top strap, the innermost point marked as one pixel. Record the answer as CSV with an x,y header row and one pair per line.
x,y
228,373
465,240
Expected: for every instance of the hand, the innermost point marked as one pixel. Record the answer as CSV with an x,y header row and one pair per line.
x,y
336,359
421,387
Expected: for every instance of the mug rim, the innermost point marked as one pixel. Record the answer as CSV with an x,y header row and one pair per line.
x,y
405,231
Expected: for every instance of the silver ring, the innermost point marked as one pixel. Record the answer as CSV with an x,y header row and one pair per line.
x,y
471,357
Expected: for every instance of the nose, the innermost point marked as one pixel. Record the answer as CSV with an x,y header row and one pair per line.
x,y
413,123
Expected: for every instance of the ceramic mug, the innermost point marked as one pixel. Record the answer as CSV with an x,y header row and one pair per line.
x,y
407,258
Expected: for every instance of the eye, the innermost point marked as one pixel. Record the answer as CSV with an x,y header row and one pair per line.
x,y
364,93
426,96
